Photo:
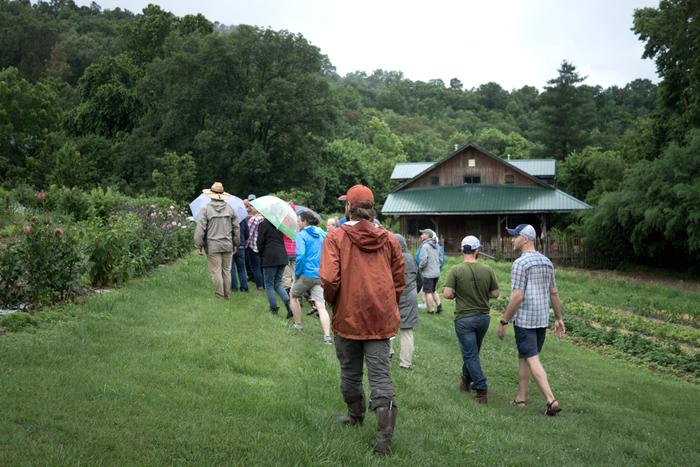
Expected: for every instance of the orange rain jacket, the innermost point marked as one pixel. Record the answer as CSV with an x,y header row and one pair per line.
x,y
362,278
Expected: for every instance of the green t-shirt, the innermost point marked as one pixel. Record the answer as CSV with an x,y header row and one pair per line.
x,y
472,283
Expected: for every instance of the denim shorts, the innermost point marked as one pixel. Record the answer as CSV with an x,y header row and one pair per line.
x,y
529,341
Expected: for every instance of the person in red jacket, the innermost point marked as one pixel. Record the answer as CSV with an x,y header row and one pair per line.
x,y
363,278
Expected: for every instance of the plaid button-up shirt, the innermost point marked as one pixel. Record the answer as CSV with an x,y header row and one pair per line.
x,y
253,229
533,273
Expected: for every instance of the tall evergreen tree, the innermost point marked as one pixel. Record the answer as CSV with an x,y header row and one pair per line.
x,y
566,115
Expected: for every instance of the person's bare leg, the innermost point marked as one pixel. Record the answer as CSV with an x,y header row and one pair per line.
x,y
523,379
436,298
324,318
540,377
429,303
296,309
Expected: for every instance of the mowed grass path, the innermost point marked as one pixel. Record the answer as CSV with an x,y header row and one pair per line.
x,y
161,373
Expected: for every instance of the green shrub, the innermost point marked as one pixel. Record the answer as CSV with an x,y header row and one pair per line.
x,y
71,201
106,202
17,321
51,264
12,282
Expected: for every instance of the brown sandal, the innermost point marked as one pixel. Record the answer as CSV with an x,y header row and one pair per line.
x,y
518,403
553,408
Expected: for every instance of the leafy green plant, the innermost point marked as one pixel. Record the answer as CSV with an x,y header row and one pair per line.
x,y
17,321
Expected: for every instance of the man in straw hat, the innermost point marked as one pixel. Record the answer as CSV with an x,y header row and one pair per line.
x,y
218,232
362,277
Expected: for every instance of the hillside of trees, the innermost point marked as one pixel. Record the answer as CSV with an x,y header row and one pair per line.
x,y
152,103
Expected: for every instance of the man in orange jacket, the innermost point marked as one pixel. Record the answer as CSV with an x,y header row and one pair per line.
x,y
362,278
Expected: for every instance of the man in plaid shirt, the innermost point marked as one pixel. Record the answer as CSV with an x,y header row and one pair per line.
x,y
533,289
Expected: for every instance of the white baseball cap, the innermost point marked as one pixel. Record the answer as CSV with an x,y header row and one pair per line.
x,y
470,243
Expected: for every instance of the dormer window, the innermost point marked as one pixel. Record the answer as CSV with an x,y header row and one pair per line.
x,y
472,179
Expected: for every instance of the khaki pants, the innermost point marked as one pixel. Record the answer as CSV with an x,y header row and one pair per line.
x,y
407,348
219,265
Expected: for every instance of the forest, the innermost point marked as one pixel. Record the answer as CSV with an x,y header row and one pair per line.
x,y
150,103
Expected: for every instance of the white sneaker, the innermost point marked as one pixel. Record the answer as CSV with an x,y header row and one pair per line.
x,y
297,326
328,340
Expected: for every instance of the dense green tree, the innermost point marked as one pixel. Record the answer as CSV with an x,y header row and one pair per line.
x,y
566,114
590,173
28,114
174,176
109,103
671,34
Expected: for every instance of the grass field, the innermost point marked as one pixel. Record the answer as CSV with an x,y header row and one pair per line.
x,y
161,373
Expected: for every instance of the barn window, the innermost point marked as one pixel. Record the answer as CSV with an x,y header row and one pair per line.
x,y
472,179
510,179
435,180
471,163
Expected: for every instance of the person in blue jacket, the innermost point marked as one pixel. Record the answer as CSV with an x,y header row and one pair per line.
x,y
309,244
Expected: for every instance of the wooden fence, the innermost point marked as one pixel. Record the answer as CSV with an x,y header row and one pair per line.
x,y
567,252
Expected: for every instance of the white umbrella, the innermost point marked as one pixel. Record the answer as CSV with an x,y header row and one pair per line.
x,y
234,201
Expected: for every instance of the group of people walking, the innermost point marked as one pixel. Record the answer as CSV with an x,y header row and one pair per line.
x,y
371,282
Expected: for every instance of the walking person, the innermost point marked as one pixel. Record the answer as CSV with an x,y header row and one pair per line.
x,y
533,291
471,284
362,278
308,253
429,266
288,277
238,272
408,306
252,253
273,259
217,231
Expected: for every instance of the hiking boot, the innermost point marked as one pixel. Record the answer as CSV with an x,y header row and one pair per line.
x,y
274,310
465,384
439,308
386,420
328,340
481,396
356,413
297,326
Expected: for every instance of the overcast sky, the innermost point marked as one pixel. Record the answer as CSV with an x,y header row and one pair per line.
x,y
511,42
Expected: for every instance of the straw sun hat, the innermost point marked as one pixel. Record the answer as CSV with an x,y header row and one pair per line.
x,y
217,192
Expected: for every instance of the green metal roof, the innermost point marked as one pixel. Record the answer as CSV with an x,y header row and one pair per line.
x,y
407,170
536,167
480,199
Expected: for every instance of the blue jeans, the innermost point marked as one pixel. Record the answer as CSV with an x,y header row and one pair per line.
x,y
273,283
238,266
255,266
470,332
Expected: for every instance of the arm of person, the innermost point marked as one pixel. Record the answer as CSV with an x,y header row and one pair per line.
x,y
516,298
301,256
423,261
450,284
559,328
397,269
236,232
329,270
199,232
261,238
494,293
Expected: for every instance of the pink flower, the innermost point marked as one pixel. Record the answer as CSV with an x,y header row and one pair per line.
x,y
41,195
26,229
58,232
170,213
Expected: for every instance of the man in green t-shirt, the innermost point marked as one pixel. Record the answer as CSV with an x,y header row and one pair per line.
x,y
472,285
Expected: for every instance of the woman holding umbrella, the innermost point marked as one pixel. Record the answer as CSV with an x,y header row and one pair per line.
x,y
274,260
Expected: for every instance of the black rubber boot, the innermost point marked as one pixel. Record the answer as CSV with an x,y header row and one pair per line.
x,y
356,413
386,420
